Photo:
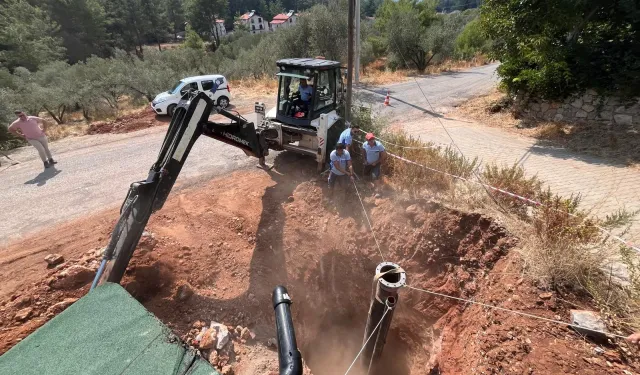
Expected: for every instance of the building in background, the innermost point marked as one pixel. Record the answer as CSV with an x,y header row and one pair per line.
x,y
222,31
283,20
254,22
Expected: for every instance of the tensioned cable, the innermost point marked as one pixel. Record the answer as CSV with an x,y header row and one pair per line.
x,y
449,134
559,322
368,221
369,338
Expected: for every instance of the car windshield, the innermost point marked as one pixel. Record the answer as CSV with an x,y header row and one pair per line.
x,y
175,88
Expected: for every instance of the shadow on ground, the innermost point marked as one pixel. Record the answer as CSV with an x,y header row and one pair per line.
x,y
42,178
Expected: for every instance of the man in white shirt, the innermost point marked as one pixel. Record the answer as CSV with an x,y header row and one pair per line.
x,y
341,167
346,137
374,155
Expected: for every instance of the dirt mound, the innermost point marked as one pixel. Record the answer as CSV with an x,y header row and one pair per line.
x,y
215,253
129,123
36,303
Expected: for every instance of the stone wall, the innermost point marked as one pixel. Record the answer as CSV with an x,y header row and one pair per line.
x,y
586,107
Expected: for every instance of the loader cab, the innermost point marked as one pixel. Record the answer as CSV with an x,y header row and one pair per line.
x,y
307,88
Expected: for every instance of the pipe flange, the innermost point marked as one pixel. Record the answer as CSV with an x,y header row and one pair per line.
x,y
391,281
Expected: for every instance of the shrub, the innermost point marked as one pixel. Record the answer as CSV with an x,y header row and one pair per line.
x,y
556,48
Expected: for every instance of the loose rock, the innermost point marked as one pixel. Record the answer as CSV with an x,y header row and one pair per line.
x,y
21,302
23,314
53,259
208,339
74,277
545,296
227,370
586,322
183,293
61,306
245,334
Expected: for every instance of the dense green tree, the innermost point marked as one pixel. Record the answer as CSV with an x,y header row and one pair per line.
x,y
82,27
404,24
202,16
472,41
175,16
448,6
27,36
126,22
370,7
328,31
157,24
555,48
192,39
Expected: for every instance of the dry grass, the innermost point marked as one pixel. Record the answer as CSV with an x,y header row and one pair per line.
x,y
378,74
251,88
55,132
561,245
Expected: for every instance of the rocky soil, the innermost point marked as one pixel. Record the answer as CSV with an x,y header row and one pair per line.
x,y
209,260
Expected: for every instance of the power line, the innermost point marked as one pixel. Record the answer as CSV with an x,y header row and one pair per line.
x,y
449,135
516,196
368,221
515,312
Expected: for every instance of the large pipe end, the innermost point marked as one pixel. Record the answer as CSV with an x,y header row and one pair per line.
x,y
392,278
280,295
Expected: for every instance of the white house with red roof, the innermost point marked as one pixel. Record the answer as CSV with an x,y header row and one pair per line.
x,y
254,22
283,20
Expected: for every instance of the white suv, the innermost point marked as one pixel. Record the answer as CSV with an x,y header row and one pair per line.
x,y
216,86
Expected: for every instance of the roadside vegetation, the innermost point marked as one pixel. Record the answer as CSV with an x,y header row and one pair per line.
x,y
565,46
58,79
561,246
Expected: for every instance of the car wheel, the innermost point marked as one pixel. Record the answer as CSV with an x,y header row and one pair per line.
x,y
171,109
223,102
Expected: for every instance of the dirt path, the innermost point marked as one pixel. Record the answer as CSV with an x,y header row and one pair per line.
x,y
234,239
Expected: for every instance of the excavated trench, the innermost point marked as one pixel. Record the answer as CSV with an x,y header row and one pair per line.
x,y
326,255
234,241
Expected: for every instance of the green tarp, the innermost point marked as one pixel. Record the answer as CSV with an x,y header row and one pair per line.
x,y
105,332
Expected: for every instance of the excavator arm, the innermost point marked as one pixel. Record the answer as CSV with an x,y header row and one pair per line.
x,y
190,121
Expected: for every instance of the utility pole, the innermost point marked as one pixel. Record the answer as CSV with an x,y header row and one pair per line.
x,y
347,112
357,16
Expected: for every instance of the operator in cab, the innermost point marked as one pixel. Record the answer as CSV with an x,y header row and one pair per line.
x,y
346,137
341,168
305,92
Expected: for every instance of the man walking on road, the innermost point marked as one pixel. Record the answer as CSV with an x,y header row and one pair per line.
x,y
33,129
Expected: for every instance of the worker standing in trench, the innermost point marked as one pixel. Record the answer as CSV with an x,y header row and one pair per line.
x,y
346,137
374,155
341,168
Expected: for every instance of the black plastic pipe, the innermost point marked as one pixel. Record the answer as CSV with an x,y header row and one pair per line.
x,y
289,356
389,278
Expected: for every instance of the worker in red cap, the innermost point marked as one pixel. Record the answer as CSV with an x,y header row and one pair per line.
x,y
374,156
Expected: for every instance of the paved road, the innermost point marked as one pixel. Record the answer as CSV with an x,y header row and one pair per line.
x,y
604,186
94,172
443,91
